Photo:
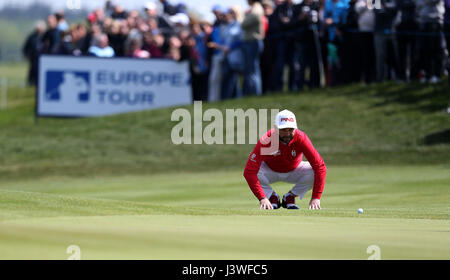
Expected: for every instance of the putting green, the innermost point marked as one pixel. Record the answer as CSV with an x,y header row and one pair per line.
x,y
224,237
214,216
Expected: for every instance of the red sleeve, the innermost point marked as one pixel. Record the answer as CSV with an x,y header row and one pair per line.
x,y
317,164
265,23
251,172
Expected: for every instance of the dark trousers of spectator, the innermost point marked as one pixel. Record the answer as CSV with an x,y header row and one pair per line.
x,y
286,53
230,82
447,36
199,84
32,78
252,71
432,49
385,55
268,59
447,41
308,59
334,65
351,57
366,45
407,51
324,50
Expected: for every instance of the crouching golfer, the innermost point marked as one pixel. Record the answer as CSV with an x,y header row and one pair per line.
x,y
278,157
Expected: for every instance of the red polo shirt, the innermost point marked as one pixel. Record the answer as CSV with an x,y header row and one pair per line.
x,y
285,159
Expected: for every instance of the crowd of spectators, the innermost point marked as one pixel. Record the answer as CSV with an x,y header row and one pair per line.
x,y
272,44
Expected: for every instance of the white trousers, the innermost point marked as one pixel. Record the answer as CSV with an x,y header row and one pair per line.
x,y
302,177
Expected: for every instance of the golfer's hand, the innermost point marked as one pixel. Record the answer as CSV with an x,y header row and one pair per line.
x,y
265,204
314,204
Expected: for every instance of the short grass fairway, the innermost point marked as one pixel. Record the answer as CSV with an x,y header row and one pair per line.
x,y
214,216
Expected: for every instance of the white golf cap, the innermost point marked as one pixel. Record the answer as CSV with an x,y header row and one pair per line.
x,y
150,6
285,119
180,18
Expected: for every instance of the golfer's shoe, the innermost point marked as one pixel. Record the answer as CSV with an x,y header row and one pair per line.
x,y
289,201
275,200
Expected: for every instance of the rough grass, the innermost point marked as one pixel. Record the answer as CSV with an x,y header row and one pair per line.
x,y
389,124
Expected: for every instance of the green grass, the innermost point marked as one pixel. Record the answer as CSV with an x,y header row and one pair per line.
x,y
214,216
119,189
382,124
14,34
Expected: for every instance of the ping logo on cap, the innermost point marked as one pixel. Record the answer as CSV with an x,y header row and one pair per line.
x,y
287,120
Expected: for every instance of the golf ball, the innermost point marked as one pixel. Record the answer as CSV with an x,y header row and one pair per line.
x,y
360,211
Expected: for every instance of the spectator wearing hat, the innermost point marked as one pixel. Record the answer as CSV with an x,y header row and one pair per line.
x,y
151,11
217,10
